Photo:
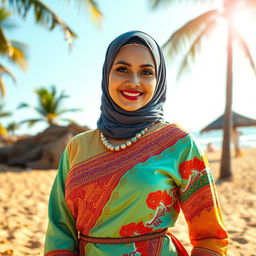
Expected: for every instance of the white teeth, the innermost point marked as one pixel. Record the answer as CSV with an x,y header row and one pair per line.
x,y
131,94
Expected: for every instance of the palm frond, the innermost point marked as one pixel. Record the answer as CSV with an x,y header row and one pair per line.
x,y
4,14
61,97
8,72
95,12
4,70
43,15
244,46
13,126
15,51
2,87
46,100
70,121
2,112
4,44
189,32
5,22
69,110
18,54
39,110
31,122
41,91
5,114
157,3
53,90
23,105
195,47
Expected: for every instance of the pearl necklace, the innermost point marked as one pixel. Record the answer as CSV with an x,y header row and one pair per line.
x,y
128,143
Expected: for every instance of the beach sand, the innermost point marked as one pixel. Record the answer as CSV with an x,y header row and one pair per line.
x,y
24,198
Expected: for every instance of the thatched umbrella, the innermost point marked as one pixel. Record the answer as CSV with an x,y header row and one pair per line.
x,y
237,119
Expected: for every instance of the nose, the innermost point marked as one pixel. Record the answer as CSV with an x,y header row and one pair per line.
x,y
134,80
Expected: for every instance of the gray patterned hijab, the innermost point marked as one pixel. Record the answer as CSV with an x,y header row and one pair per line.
x,y
117,122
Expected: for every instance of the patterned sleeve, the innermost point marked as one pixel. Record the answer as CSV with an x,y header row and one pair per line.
x,y
199,203
61,236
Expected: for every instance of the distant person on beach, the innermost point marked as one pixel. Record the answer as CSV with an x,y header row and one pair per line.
x,y
119,188
210,148
235,136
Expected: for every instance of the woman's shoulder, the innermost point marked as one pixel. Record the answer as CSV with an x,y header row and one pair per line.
x,y
84,137
175,128
178,131
84,146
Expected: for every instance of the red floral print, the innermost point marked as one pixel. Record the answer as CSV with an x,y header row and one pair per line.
x,y
166,199
187,167
134,229
155,198
160,201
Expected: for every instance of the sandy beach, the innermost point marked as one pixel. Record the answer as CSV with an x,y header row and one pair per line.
x,y
24,198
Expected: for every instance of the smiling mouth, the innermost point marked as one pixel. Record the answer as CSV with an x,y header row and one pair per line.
x,y
131,95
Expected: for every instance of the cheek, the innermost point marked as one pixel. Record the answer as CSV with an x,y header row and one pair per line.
x,y
111,84
151,88
114,81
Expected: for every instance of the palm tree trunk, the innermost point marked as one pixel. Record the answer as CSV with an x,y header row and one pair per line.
x,y
225,169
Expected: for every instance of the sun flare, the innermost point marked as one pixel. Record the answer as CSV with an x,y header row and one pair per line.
x,y
243,20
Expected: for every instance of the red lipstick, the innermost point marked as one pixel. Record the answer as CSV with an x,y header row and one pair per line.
x,y
131,95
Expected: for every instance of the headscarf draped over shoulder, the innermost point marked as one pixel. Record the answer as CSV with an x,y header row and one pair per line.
x,y
117,122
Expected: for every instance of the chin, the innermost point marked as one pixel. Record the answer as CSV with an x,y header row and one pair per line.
x,y
131,109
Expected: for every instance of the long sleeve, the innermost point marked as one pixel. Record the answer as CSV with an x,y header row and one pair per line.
x,y
199,203
61,236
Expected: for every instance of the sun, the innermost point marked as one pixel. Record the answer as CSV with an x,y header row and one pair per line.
x,y
243,21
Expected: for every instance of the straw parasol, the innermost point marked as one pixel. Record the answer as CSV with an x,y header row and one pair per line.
x,y
238,121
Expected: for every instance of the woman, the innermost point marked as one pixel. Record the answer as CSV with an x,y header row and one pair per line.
x,y
120,186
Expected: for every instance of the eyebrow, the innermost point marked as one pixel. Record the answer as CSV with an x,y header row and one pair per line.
x,y
129,65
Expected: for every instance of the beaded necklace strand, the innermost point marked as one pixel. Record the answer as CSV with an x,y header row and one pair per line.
x,y
128,143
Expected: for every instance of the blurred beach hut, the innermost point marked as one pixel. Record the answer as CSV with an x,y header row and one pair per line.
x,y
237,119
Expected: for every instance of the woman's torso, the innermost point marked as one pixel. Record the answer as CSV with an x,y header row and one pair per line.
x,y
126,193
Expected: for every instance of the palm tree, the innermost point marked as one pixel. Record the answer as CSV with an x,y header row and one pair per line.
x,y
195,31
47,17
14,51
49,107
12,127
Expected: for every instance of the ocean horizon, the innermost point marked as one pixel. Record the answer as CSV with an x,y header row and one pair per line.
x,y
247,138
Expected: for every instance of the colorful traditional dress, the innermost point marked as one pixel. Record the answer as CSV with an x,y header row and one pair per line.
x,y
136,191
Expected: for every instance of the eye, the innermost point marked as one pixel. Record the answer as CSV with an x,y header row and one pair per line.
x,y
147,72
122,69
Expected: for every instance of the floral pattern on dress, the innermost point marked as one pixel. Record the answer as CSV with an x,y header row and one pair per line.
x,y
186,168
191,172
160,201
136,229
155,199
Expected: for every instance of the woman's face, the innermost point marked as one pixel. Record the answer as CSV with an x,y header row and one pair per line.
x,y
132,78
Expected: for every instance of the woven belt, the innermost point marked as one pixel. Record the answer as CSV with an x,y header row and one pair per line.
x,y
122,240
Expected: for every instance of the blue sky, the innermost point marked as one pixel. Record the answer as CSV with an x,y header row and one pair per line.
x,y
193,102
